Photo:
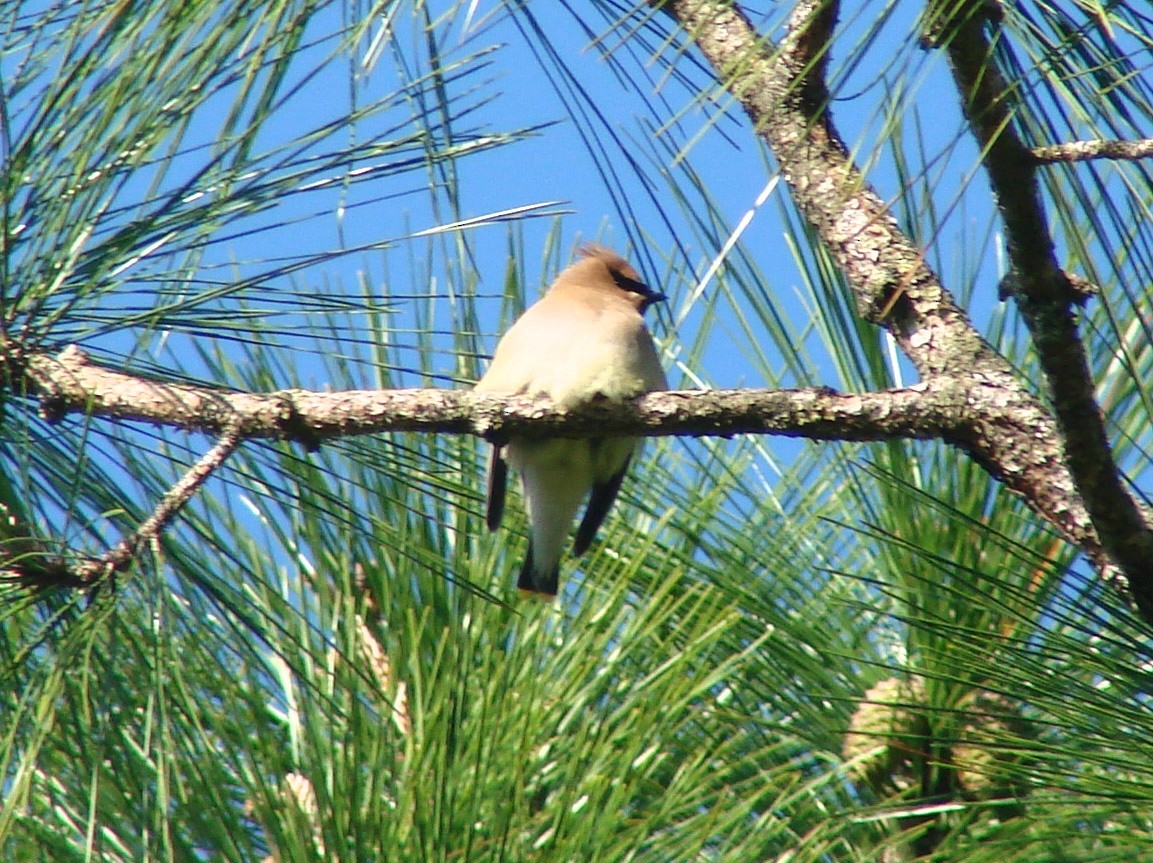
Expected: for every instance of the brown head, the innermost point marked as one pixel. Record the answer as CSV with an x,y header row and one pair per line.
x,y
604,269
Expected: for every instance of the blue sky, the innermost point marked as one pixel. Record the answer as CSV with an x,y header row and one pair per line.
x,y
511,89
505,86
557,165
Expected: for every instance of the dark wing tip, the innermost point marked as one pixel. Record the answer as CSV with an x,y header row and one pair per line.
x,y
495,492
600,502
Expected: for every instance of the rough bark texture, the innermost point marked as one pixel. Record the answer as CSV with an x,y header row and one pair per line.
x,y
1081,151
969,396
1013,434
1003,427
71,384
1048,300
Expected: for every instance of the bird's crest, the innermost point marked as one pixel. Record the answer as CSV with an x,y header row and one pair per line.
x,y
622,273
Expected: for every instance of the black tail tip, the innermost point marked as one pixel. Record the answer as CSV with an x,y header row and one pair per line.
x,y
538,585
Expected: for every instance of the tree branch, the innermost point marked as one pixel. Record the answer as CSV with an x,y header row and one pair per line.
x,y
781,90
71,384
1001,426
118,558
36,567
1080,151
1048,300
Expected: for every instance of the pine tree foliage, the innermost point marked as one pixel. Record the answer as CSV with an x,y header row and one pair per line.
x,y
790,651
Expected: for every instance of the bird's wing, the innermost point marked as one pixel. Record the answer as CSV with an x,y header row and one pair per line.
x,y
600,502
494,491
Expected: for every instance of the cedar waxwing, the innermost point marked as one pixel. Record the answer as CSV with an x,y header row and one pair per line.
x,y
585,339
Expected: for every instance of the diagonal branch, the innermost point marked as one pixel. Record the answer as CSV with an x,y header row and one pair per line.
x,y
93,572
782,90
119,557
1047,297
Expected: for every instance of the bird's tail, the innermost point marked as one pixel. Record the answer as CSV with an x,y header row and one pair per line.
x,y
535,583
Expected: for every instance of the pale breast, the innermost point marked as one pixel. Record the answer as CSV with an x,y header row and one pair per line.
x,y
576,354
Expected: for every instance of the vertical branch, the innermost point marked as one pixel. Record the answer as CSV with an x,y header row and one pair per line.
x,y
1012,433
1047,297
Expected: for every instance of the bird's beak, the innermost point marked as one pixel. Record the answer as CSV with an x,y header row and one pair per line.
x,y
652,297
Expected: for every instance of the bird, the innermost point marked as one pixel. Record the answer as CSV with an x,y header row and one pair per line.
x,y
585,339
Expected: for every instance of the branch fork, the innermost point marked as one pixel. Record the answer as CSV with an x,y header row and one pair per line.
x,y
1057,457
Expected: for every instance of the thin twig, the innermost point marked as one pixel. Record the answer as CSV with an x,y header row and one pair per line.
x,y
121,556
1081,151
